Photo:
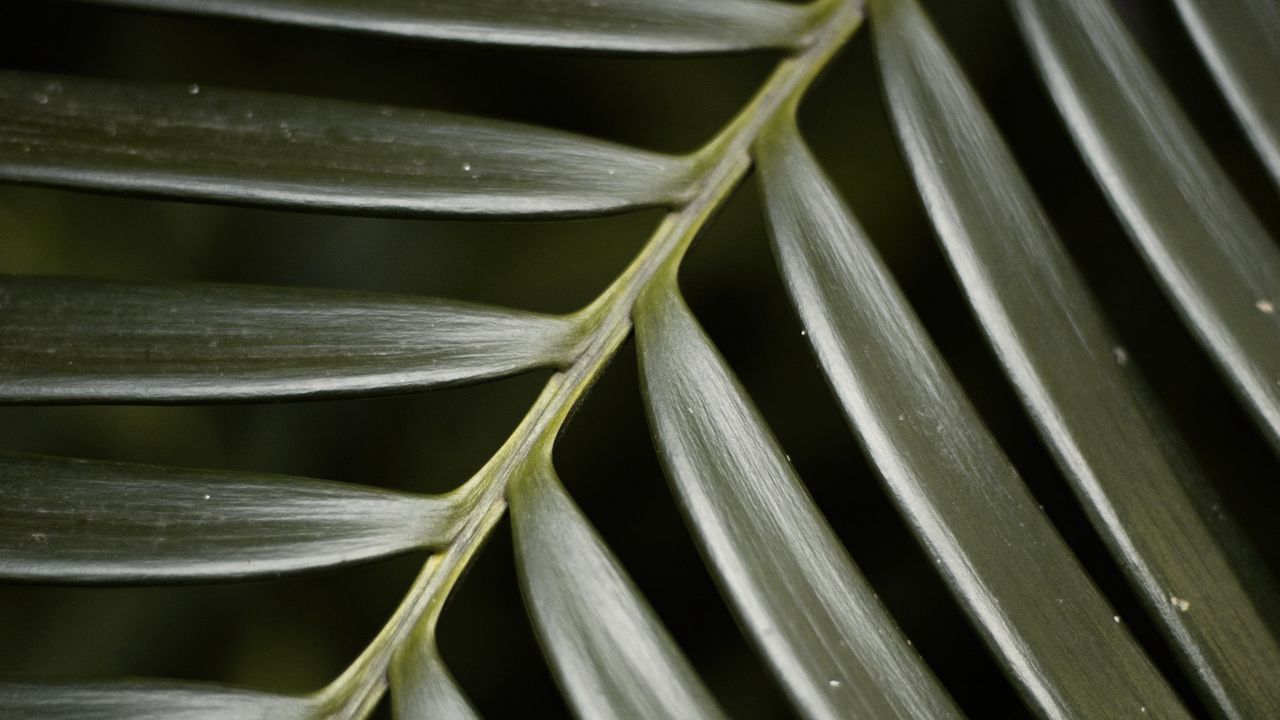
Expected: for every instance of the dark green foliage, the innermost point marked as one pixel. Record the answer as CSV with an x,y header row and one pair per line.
x,y
1043,606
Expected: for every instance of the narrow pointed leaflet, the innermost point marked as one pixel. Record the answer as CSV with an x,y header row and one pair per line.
x,y
148,700
421,686
1021,586
67,340
1240,40
1071,371
638,26
1215,261
609,651
200,143
65,520
799,598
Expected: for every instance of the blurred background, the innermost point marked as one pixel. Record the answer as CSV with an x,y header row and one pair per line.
x,y
295,634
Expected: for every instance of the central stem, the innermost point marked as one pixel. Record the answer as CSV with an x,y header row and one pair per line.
x,y
724,163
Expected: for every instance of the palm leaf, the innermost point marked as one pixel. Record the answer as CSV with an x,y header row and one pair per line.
x,y
147,700
796,592
834,649
67,520
648,26
1071,371
1017,580
610,653
73,340
422,687
1206,247
1240,39
263,149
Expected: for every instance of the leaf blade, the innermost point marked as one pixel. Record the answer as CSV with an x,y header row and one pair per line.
x,y
1069,367
81,521
652,26
1211,255
68,340
798,596
147,700
421,686
610,653
1239,41
1016,579
311,154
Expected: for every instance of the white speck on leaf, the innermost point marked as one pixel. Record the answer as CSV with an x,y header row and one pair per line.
x,y
1265,306
834,683
1122,357
193,89
1181,604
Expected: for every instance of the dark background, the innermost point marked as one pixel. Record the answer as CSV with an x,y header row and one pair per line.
x,y
296,634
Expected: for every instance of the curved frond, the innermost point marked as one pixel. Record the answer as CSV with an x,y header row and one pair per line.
x,y
421,686
639,26
1015,577
65,520
147,700
797,594
609,651
816,622
70,340
1240,40
1070,371
1203,243
306,153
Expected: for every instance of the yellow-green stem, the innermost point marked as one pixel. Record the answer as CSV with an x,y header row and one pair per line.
x,y
725,162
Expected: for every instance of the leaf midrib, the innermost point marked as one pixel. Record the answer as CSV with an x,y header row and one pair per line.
x,y
724,163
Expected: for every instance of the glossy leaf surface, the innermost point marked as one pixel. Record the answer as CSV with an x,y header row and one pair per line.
x,y
421,686
798,596
77,340
609,651
64,520
1240,40
1021,586
1071,373
643,26
1212,256
146,700
257,148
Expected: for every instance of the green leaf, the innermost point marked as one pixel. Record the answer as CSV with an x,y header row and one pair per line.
x,y
1023,589
610,652
74,340
64,520
1240,40
797,594
421,686
1208,250
643,26
146,700
248,147
1070,372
